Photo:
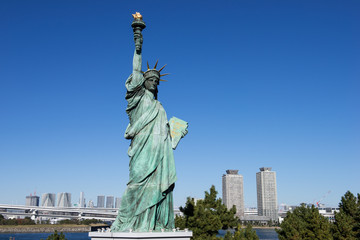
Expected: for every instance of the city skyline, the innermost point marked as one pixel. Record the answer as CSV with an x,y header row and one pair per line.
x,y
232,183
261,84
64,199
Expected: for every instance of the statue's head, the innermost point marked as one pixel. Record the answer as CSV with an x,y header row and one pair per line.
x,y
152,78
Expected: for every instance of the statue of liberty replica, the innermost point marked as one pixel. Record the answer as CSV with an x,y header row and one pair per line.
x,y
147,204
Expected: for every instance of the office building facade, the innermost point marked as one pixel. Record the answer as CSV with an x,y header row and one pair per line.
x,y
233,191
100,201
117,202
32,200
82,200
64,200
90,204
267,193
48,200
110,202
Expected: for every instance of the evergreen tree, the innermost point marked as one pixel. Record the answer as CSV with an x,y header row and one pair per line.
x,y
227,217
56,236
247,233
305,223
357,218
347,220
206,217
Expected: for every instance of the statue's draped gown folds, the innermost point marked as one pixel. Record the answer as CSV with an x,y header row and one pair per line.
x,y
147,203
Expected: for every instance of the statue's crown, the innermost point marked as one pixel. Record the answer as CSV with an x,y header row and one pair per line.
x,y
153,72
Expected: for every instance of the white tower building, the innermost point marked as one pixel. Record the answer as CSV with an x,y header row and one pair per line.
x,y
110,202
117,202
233,191
64,199
48,200
82,200
100,201
266,193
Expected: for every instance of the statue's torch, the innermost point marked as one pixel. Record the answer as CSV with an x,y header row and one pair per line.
x,y
138,25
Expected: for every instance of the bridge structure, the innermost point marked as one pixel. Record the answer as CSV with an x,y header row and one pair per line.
x,y
59,213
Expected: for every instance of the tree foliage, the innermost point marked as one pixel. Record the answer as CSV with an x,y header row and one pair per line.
x,y
247,233
205,217
305,223
347,220
56,236
80,221
18,221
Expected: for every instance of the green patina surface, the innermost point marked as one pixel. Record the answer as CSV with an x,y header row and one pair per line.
x,y
147,203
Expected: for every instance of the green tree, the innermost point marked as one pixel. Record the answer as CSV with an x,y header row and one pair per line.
x,y
305,223
56,236
228,236
227,217
25,221
2,220
347,220
90,221
247,233
206,217
69,221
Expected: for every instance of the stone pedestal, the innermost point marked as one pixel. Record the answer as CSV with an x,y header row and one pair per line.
x,y
178,235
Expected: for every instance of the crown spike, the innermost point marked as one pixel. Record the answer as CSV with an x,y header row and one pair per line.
x,y
156,64
147,62
162,68
164,74
162,80
142,71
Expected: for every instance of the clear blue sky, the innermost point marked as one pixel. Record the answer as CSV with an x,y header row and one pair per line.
x,y
261,83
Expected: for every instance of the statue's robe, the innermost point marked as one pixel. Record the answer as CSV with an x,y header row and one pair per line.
x,y
147,203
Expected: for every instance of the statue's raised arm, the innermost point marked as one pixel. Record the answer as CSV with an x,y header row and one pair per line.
x,y
138,25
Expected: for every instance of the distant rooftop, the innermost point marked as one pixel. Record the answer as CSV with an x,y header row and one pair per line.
x,y
265,169
232,171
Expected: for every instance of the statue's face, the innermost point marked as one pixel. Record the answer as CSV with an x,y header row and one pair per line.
x,y
151,83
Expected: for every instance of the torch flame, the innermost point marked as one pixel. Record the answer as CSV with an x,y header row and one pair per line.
x,y
137,16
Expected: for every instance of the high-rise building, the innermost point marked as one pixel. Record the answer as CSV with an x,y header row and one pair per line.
x,y
32,200
110,202
117,202
266,193
233,191
64,199
48,200
100,201
90,204
82,200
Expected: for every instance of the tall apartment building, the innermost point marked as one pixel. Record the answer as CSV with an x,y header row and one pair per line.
x,y
100,201
90,204
266,193
117,202
233,191
64,199
82,200
48,200
110,202
32,200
